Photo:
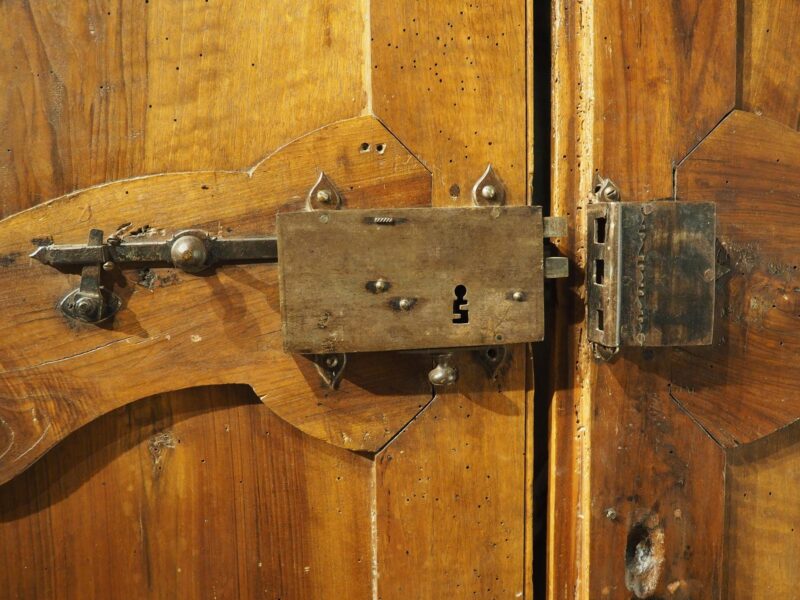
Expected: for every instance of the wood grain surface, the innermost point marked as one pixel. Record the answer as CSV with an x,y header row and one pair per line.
x,y
761,513
635,88
768,66
153,87
745,386
202,493
449,79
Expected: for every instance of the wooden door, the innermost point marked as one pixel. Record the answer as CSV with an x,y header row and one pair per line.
x,y
180,452
675,471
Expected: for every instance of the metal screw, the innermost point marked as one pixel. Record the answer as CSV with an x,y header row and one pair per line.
x,y
86,306
323,218
331,362
108,266
708,275
381,285
610,192
405,303
611,514
324,196
518,296
488,192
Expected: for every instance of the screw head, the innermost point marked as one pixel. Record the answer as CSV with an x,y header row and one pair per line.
x,y
189,253
381,285
610,192
405,303
331,362
323,196
518,296
488,192
108,266
86,307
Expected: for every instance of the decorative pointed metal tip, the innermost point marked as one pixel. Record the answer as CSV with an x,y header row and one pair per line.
x,y
604,189
323,195
41,254
489,189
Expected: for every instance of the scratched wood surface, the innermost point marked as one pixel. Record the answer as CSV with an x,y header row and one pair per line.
x,y
667,461
427,57
210,493
635,88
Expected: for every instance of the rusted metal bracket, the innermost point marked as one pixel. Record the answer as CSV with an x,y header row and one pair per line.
x,y
650,272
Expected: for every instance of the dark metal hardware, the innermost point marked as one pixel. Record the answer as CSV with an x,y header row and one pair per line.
x,y
364,280
650,272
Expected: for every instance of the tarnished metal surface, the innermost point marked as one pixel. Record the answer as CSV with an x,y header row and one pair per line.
x,y
124,253
448,278
650,273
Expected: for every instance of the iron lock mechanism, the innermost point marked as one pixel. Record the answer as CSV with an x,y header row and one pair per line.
x,y
413,279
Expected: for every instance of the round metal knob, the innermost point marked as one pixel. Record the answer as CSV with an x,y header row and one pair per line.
x,y
443,373
189,253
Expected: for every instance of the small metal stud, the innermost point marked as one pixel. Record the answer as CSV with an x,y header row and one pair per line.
x,y
381,285
405,303
108,266
189,253
488,192
444,373
518,296
324,196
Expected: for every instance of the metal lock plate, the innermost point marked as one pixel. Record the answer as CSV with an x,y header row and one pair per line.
x,y
373,280
651,273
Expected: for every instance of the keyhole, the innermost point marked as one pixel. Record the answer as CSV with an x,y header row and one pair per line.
x,y
460,312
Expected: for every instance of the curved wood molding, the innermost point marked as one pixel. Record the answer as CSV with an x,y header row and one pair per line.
x,y
178,330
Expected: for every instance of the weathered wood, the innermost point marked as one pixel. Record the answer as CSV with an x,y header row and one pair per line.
x,y
193,494
57,375
427,57
745,386
451,479
635,88
154,87
449,79
430,264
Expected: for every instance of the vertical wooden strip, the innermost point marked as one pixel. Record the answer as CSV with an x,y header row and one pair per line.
x,y
769,67
635,87
451,493
449,80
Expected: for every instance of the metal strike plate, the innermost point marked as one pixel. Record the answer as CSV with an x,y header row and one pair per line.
x,y
650,273
373,280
